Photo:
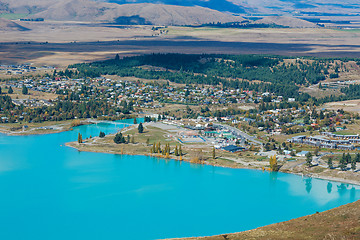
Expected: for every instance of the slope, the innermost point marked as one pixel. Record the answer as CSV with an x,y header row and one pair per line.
x,y
8,25
286,22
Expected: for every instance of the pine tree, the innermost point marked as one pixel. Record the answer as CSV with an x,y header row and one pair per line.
x,y
330,163
353,164
10,91
119,138
343,163
357,157
0,90
25,90
101,134
309,159
140,128
348,158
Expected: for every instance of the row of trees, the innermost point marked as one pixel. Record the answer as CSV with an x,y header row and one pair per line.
x,y
156,148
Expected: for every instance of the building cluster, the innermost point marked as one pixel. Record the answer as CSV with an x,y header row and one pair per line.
x,y
328,140
20,69
144,95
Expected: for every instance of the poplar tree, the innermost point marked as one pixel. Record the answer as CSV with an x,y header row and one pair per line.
x,y
180,151
176,151
213,153
273,163
80,140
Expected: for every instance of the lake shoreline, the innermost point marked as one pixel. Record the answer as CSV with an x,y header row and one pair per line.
x,y
88,148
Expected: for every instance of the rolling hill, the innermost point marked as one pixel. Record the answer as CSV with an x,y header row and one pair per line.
x,y
177,12
8,25
145,13
265,6
286,22
88,10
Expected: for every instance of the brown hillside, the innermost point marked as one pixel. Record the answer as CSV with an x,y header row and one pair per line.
x,y
286,22
157,14
7,25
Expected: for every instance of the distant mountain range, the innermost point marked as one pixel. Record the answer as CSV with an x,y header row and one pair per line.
x,y
142,13
176,12
265,6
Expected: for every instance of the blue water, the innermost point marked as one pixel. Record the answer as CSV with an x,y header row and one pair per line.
x,y
49,191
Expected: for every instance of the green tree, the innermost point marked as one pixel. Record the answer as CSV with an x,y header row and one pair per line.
x,y
316,152
343,163
213,153
140,128
101,134
25,90
357,157
309,159
348,158
10,91
330,163
0,90
353,164
132,139
119,138
128,139
147,141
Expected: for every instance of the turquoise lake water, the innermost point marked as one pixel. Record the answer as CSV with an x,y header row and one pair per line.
x,y
49,191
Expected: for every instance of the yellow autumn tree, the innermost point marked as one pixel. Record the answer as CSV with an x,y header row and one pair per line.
x,y
273,163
